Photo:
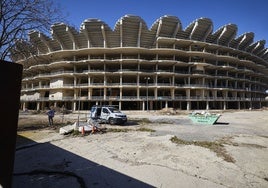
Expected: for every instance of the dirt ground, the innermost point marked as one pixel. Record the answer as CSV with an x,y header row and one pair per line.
x,y
154,149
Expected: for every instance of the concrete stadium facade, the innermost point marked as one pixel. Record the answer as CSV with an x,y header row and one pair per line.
x,y
138,68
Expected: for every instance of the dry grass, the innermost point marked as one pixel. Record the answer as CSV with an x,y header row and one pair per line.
x,y
143,129
216,147
143,121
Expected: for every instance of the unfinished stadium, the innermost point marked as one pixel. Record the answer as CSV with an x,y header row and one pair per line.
x,y
141,68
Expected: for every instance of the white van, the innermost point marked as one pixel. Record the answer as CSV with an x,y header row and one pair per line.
x,y
107,114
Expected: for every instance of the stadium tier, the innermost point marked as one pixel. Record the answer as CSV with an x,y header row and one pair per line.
x,y
141,68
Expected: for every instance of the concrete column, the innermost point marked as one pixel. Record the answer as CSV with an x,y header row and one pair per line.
x,y
202,93
188,105
89,93
225,94
172,93
120,105
188,93
75,94
207,105
224,105
38,106
74,106
166,104
121,93
104,93
143,105
24,106
75,80
215,82
89,81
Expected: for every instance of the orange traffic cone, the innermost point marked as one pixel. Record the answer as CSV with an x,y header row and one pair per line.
x,y
83,131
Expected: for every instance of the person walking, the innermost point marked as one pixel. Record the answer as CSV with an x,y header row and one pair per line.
x,y
50,115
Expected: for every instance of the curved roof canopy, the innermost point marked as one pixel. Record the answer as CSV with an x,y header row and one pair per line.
x,y
132,31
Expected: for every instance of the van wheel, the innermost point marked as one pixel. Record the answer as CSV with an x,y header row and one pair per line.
x,y
112,121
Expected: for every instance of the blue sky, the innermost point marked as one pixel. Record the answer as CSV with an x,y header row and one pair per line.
x,y
248,15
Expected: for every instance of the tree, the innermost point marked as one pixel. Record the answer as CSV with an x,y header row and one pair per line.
x,y
19,17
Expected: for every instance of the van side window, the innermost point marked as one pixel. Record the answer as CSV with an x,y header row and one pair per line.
x,y
104,110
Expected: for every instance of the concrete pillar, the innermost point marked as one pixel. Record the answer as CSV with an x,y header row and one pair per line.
x,y
121,93
224,105
188,105
75,80
89,93
74,106
188,93
202,93
104,93
74,68
143,105
24,106
120,105
166,104
38,106
207,105
172,93
89,81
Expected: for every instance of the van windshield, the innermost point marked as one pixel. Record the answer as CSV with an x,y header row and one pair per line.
x,y
114,110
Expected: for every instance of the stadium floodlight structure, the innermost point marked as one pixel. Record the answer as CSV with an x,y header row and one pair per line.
x,y
191,68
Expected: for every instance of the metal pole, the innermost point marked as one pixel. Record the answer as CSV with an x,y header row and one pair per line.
x,y
147,100
79,95
147,94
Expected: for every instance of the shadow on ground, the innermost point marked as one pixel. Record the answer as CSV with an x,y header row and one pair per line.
x,y
45,165
221,123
